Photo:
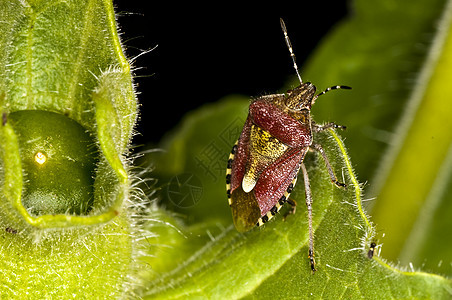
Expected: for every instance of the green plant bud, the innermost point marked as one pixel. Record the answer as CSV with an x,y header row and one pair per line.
x,y
68,108
58,159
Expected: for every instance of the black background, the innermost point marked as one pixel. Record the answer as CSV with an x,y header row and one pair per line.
x,y
206,52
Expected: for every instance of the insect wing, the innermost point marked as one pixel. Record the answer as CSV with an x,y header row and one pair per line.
x,y
240,155
274,182
245,210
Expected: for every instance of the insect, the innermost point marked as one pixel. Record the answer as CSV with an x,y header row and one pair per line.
x,y
370,254
11,230
264,163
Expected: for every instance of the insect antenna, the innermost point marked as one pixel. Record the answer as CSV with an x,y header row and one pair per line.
x,y
289,45
336,87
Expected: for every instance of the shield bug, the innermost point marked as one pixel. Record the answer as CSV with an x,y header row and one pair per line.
x,y
266,159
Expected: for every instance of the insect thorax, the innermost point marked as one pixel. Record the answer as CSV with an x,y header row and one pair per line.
x,y
290,126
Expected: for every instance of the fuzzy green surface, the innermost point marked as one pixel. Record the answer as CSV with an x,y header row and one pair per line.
x,y
65,57
271,261
417,168
84,263
65,90
68,155
52,54
395,55
380,50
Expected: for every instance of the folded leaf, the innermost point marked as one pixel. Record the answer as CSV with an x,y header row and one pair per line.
x,y
68,109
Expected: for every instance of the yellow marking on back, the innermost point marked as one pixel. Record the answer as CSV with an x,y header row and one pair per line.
x,y
265,149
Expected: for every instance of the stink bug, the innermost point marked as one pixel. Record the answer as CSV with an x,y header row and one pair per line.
x,y
264,162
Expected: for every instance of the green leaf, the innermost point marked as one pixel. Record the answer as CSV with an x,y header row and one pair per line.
x,y
417,168
92,86
68,108
272,261
398,132
379,51
85,263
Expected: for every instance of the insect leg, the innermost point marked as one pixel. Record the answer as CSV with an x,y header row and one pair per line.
x,y
326,126
333,177
293,209
307,189
4,119
370,254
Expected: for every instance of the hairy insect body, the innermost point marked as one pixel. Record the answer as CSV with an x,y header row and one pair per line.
x,y
264,162
270,150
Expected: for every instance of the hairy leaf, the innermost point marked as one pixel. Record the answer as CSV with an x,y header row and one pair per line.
x,y
395,55
68,109
379,50
417,168
272,261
